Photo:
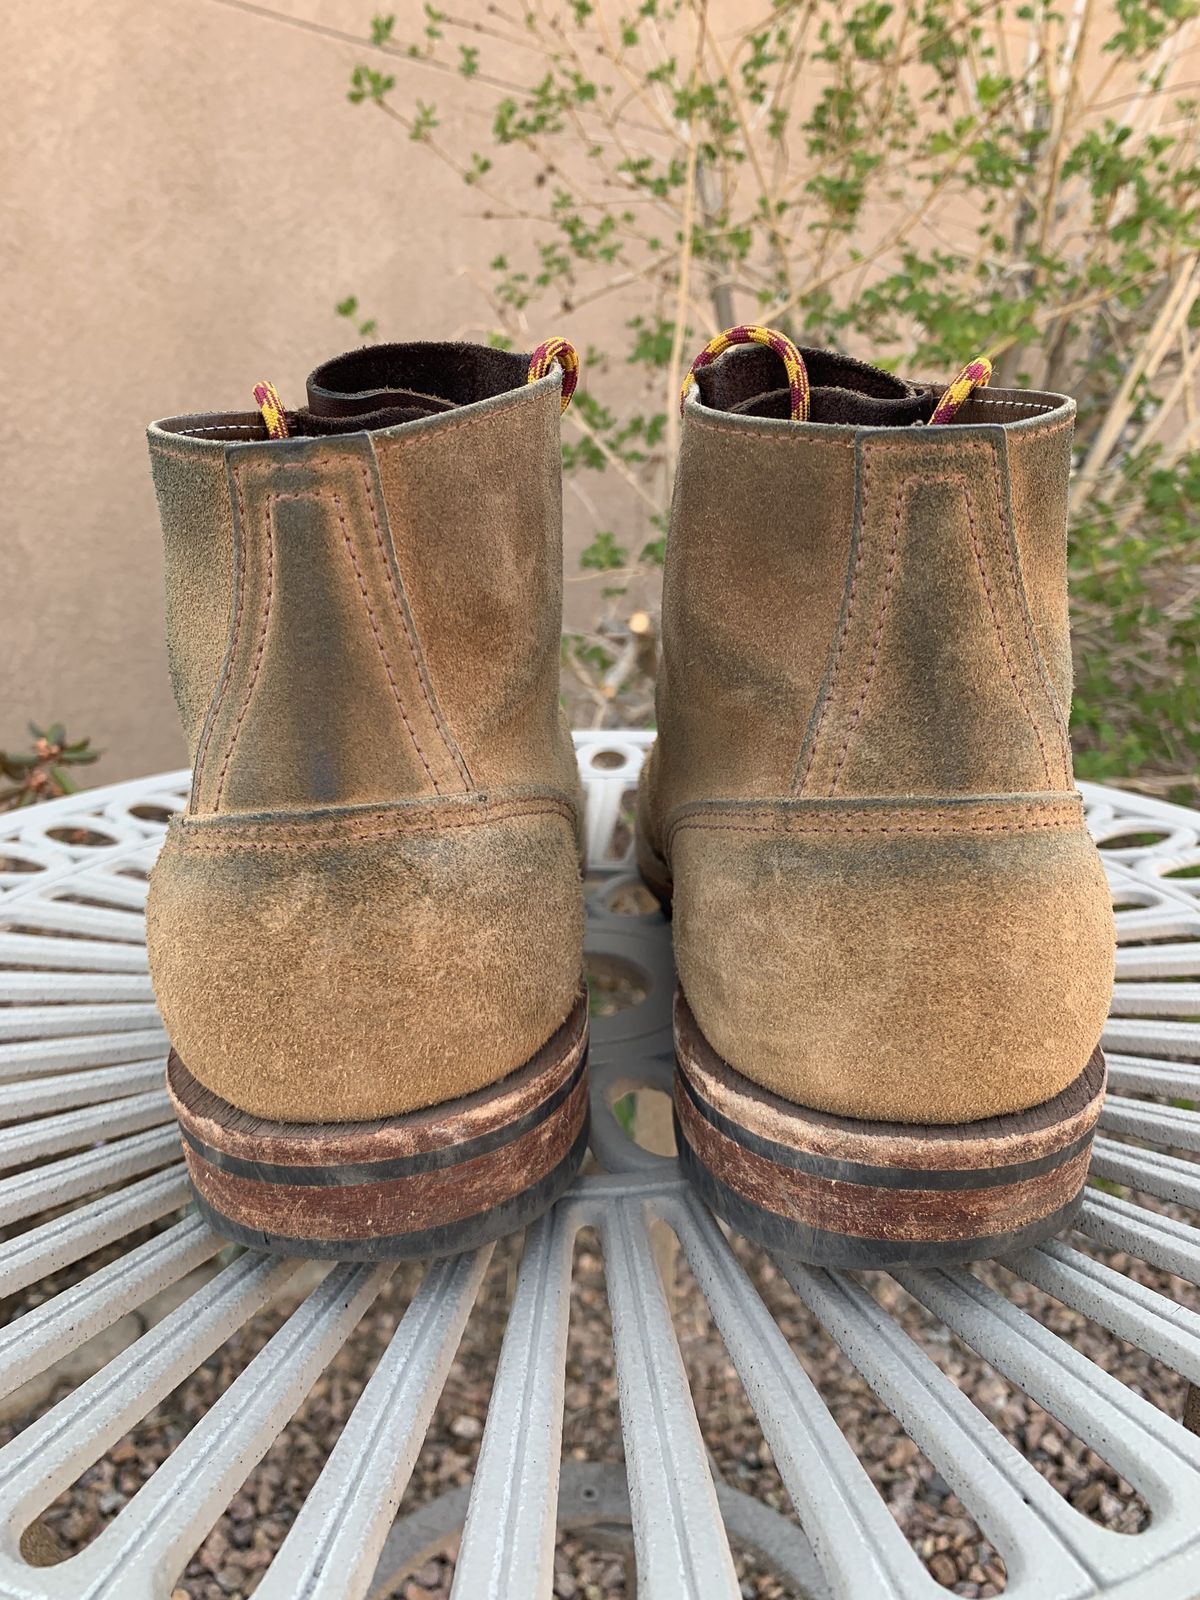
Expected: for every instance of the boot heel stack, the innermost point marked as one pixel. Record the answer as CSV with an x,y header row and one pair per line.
x,y
844,1192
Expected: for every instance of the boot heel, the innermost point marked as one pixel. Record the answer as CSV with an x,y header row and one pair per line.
x,y
655,874
429,1183
838,1192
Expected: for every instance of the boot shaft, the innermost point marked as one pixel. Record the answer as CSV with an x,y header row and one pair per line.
x,y
370,609
877,606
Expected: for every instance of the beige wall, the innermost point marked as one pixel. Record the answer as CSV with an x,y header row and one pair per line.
x,y
186,195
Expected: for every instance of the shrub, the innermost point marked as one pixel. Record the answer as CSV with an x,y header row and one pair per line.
x,y
920,181
41,772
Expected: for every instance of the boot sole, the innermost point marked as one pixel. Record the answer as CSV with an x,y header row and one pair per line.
x,y
428,1183
838,1192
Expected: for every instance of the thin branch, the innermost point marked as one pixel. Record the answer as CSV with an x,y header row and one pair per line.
x,y
1144,364
679,333
342,36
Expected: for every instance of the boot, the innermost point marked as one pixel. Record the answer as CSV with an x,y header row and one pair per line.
x,y
893,934
365,931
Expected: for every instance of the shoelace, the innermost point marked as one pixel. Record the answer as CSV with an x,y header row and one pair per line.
x,y
556,352
266,398
975,375
553,352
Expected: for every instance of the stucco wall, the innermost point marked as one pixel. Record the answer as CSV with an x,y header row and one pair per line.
x,y
186,195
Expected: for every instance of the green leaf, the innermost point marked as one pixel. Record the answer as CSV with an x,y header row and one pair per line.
x,y
604,554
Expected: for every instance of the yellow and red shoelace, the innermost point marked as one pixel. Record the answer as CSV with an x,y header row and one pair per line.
x,y
973,376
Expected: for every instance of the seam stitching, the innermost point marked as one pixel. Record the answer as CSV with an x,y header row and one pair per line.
x,y
753,436
845,631
325,462
161,451
960,480
1001,640
262,639
293,836
224,427
454,754
1017,405
243,541
1008,539
910,479
977,805
379,642
877,636
966,826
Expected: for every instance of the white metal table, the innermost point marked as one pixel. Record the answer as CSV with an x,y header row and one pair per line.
x,y
92,1156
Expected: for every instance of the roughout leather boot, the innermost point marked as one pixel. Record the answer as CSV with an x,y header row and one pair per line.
x,y
365,931
893,934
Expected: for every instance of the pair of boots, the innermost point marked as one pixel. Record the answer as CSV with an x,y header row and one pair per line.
x,y
893,934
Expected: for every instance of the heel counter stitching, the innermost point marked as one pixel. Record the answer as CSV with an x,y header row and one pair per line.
x,y
1017,579
1018,593
1018,817
304,835
318,462
435,713
259,648
272,500
991,600
827,699
877,636
231,650
379,642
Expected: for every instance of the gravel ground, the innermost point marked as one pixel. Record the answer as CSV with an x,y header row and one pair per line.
x,y
232,1560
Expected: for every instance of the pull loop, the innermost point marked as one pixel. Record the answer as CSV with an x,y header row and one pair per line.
x,y
556,352
975,375
793,362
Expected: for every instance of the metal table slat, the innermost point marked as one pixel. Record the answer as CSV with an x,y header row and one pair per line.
x,y
80,1058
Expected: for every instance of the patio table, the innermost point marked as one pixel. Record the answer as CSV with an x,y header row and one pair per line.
x,y
92,1157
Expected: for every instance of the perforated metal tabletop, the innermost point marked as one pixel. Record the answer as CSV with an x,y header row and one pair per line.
x,y
92,1157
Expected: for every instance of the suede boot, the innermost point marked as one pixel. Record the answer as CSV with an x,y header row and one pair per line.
x,y
893,934
365,931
